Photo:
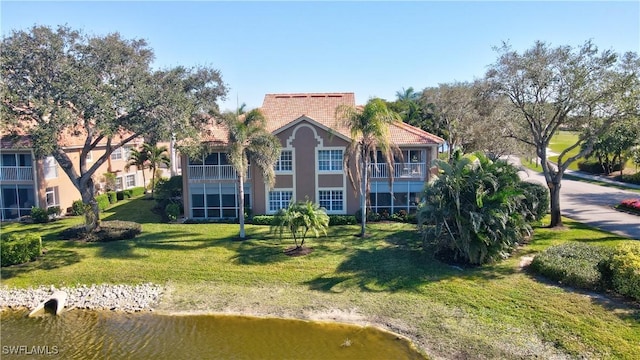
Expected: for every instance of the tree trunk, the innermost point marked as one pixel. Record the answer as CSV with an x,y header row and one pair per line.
x,y
363,198
91,211
554,190
241,200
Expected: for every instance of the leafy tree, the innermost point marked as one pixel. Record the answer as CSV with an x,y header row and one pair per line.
x,y
369,128
555,87
474,212
454,108
58,83
300,218
156,156
612,147
250,141
140,160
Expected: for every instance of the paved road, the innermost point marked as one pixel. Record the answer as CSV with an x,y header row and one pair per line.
x,y
593,205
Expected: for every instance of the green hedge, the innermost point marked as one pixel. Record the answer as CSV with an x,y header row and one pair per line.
x,y
574,264
342,220
594,167
262,220
137,191
15,249
632,179
113,197
103,201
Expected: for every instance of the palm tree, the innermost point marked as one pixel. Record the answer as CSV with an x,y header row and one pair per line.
x,y
369,129
300,218
249,140
156,156
138,159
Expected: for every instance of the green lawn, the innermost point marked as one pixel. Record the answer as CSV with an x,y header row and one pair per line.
x,y
496,311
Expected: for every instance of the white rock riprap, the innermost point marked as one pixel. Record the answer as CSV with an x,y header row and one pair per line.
x,y
127,298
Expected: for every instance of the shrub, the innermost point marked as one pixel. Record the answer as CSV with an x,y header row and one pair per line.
x,y
113,197
103,201
173,211
19,249
342,220
77,208
574,264
137,191
536,200
117,230
168,188
262,220
631,204
371,216
39,215
594,167
632,179
127,193
54,211
622,270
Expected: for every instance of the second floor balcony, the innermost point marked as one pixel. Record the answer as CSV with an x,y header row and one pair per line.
x,y
214,172
16,173
416,171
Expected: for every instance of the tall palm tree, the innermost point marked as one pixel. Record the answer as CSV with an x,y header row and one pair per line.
x,y
156,156
139,159
369,130
249,140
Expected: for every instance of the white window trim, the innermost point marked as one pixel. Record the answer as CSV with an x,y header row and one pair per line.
x,y
125,180
53,167
56,197
267,202
344,199
329,148
286,172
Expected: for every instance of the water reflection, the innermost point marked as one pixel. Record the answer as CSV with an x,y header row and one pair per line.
x,y
106,335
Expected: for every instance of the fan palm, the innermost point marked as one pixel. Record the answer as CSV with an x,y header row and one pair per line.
x,y
156,156
300,218
138,159
369,130
249,140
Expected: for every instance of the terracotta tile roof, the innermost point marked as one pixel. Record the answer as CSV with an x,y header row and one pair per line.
x,y
282,109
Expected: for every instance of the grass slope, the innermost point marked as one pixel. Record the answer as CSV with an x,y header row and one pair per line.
x,y
495,311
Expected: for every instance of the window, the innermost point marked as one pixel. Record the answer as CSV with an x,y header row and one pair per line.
x,y
130,181
332,200
217,200
279,200
330,160
119,183
121,153
50,168
285,162
52,196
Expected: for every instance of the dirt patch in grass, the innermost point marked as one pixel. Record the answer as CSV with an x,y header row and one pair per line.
x,y
298,251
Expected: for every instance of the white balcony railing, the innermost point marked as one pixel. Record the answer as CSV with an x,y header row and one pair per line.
x,y
214,172
401,170
16,173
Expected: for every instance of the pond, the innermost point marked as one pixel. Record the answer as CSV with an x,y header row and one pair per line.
x,y
80,334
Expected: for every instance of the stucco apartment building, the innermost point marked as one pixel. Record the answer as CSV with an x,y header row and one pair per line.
x,y
26,181
310,164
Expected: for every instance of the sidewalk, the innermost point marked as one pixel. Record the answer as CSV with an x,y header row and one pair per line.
x,y
583,175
